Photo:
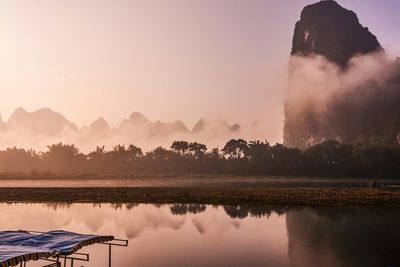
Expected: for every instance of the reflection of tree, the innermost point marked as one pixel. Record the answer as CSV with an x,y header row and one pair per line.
x,y
236,211
130,206
266,212
348,237
240,212
120,206
115,206
55,206
182,209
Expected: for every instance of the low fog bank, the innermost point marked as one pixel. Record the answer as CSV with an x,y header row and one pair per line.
x,y
358,103
38,129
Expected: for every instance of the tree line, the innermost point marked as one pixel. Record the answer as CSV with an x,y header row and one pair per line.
x,y
238,157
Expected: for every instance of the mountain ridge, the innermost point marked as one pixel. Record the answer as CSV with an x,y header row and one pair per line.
x,y
25,120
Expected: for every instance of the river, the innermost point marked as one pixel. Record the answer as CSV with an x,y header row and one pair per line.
x,y
200,235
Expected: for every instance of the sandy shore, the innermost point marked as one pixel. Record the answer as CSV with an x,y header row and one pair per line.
x,y
208,195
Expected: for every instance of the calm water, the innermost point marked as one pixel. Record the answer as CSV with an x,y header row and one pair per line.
x,y
198,235
225,181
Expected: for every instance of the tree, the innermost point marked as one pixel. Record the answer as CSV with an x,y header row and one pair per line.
x,y
98,154
180,147
118,153
134,152
19,159
160,153
257,150
214,154
328,158
64,157
198,150
235,148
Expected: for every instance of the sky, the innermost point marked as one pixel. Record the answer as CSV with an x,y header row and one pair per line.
x,y
168,59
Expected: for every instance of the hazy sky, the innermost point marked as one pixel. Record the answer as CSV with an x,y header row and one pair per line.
x,y
168,59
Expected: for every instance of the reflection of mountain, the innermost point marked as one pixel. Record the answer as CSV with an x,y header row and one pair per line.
x,y
158,238
348,237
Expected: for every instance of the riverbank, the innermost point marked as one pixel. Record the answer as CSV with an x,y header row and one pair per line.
x,y
329,197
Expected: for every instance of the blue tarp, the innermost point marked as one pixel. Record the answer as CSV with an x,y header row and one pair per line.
x,y
64,243
17,246
14,238
14,255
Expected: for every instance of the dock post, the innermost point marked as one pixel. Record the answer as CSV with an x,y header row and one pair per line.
x,y
109,255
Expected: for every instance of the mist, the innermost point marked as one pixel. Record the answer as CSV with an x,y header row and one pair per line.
x,y
39,129
324,101
358,103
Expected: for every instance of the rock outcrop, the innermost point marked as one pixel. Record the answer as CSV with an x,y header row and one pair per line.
x,y
342,86
325,28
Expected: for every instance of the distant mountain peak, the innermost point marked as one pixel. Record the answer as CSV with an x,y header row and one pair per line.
x,y
43,121
100,123
206,124
18,112
20,109
99,128
179,126
138,124
44,110
138,116
2,124
236,127
198,127
179,123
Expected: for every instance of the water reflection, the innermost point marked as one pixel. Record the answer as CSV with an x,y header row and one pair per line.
x,y
200,235
347,237
182,209
259,212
